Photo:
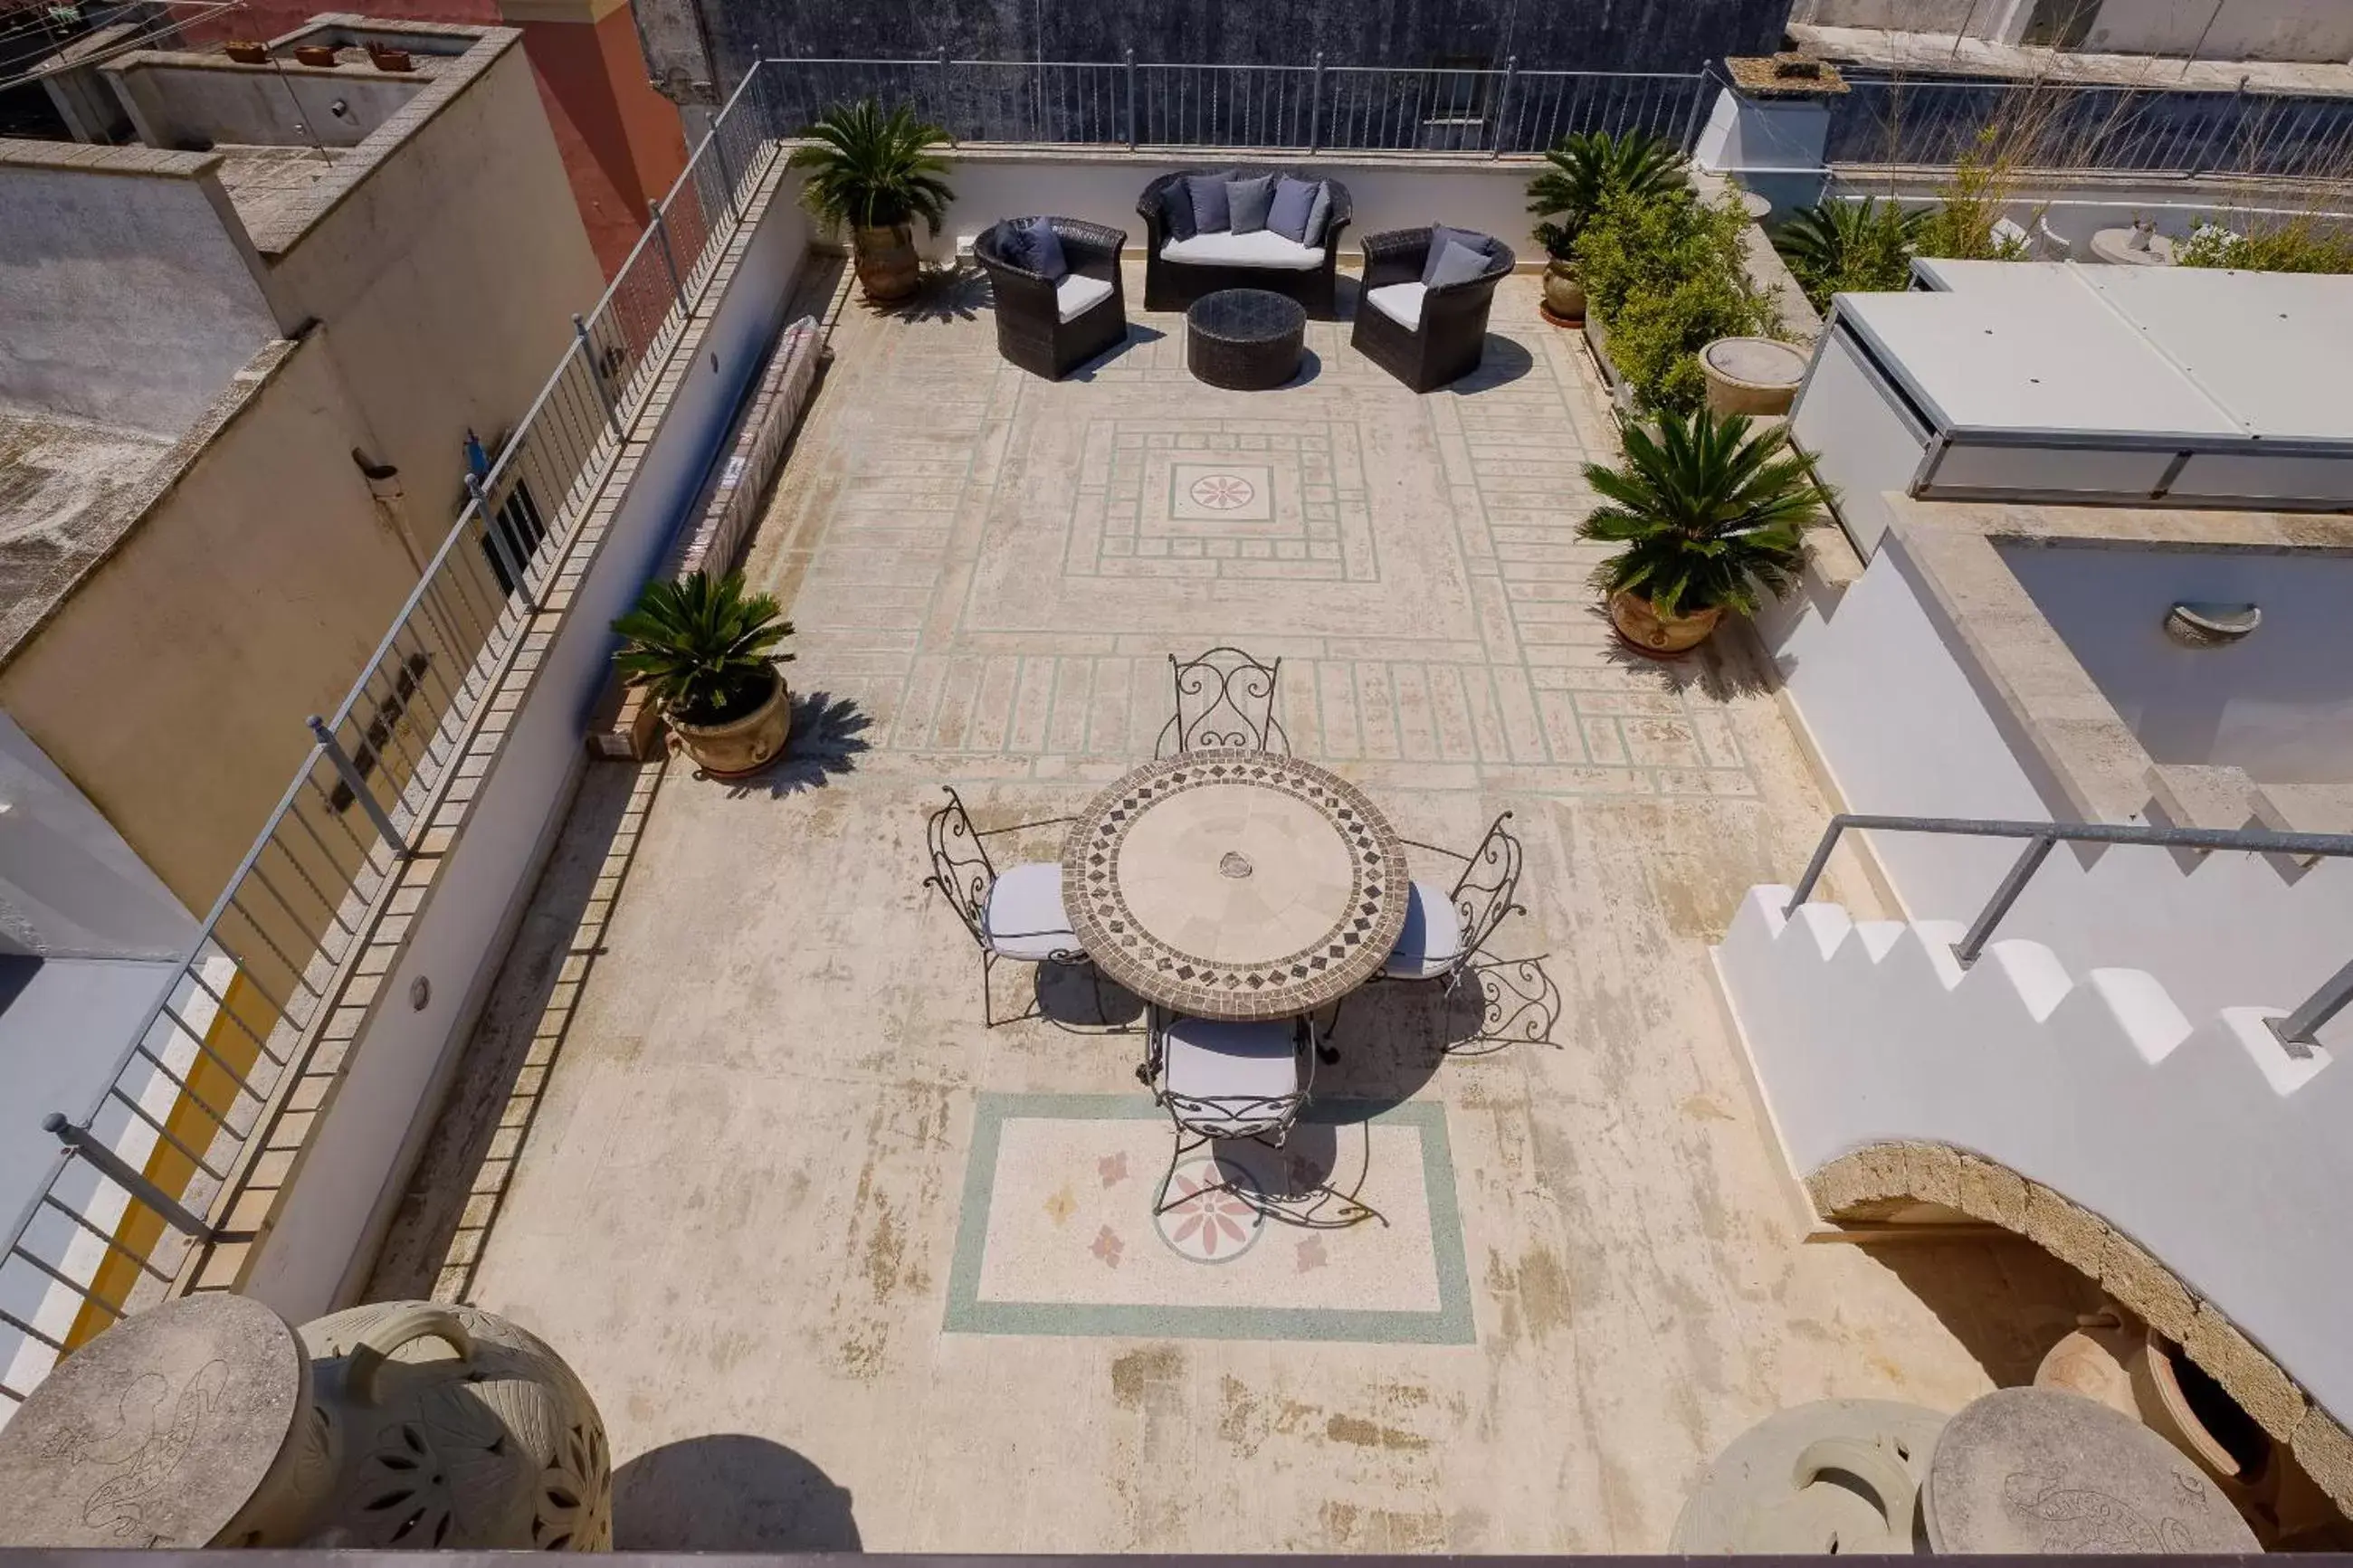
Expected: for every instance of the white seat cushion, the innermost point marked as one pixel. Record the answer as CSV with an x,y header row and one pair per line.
x,y
1259,248
1249,1063
1077,294
1024,919
1432,937
1400,303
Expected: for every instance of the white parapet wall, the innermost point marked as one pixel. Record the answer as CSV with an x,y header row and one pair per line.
x,y
2203,1139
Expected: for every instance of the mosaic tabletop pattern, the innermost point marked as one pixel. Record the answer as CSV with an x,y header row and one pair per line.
x,y
1235,884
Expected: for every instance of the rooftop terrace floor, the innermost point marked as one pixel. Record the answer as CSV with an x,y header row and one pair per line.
x,y
844,1266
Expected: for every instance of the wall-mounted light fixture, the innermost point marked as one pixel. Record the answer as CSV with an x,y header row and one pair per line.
x,y
2211,626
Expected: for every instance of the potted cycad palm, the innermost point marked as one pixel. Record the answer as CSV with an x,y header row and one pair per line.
x,y
1581,172
705,652
1709,513
876,174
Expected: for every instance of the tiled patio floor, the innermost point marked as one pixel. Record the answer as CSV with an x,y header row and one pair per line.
x,y
844,1266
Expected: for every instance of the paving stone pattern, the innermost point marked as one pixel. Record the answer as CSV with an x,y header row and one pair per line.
x,y
997,567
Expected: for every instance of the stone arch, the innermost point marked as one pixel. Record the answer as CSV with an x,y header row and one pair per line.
x,y
1867,1182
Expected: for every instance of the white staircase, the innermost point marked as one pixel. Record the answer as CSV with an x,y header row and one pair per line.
x,y
2222,1153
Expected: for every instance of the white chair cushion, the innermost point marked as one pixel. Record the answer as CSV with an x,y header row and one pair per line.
x,y
1077,294
1432,937
1259,248
1400,303
1207,1060
1024,919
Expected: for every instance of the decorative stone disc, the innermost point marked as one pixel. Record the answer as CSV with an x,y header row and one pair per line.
x,y
157,1433
1235,885
1754,1491
2046,1471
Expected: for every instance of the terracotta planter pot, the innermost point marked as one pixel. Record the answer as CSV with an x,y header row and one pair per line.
x,y
246,53
887,266
390,59
742,746
1661,636
1564,294
314,54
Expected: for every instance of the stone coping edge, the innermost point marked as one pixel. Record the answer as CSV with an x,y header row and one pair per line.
x,y
1882,1173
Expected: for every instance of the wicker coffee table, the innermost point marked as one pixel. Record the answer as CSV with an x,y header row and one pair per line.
x,y
1235,885
1245,339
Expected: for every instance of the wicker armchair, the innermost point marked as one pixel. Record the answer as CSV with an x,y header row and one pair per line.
x,y
1173,285
1030,331
1451,335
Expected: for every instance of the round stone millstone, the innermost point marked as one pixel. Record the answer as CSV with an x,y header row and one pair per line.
x,y
1754,1496
158,1433
2042,1471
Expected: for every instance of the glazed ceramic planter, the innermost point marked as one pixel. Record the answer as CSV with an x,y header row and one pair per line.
x,y
1661,636
1564,294
887,266
740,746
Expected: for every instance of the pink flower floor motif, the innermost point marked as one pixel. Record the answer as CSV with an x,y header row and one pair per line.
x,y
1207,1220
1112,1168
1311,1254
1108,1246
1223,492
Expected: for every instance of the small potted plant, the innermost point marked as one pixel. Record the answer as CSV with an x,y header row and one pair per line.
x,y
1710,514
876,174
704,652
1582,172
247,52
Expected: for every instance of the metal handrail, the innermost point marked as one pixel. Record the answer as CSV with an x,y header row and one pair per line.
x,y
2295,1031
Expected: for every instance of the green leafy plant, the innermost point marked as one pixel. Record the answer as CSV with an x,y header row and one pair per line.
x,y
1842,248
1665,274
1964,223
1586,170
873,170
1708,513
703,649
2298,245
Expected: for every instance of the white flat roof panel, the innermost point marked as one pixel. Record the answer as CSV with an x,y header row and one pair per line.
x,y
2272,348
2019,347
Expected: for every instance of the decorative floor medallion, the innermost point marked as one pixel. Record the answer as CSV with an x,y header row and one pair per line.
x,y
1223,492
1056,1233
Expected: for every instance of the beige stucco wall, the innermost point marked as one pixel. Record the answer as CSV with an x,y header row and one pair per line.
x,y
171,685
448,277
2309,30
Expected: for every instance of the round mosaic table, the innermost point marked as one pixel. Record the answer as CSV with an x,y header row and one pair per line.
x,y
1235,885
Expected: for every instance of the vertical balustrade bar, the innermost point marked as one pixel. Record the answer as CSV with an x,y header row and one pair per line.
x,y
2013,883
357,784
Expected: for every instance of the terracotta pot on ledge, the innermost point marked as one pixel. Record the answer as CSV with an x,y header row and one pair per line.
x,y
314,54
740,746
245,52
887,266
1564,294
1648,631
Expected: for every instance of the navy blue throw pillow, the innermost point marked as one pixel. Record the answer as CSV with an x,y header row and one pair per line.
x,y
1211,212
1176,209
1031,244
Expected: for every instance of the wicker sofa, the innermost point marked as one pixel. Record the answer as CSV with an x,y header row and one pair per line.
x,y
1051,327
1424,336
1174,279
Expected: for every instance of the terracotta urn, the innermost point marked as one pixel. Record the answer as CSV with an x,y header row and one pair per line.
x,y
740,746
887,266
1563,293
1646,631
209,1422
1752,375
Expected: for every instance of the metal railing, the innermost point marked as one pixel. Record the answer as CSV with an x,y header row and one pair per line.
x,y
1311,106
2046,124
2296,1030
137,1171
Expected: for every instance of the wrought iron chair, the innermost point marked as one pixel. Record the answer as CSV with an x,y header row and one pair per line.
x,y
1016,914
1223,1081
1225,702
1446,928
